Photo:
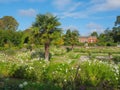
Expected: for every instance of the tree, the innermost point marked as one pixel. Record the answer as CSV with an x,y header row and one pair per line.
x,y
1,25
116,30
94,34
106,37
10,38
71,37
116,34
45,27
117,22
67,37
9,23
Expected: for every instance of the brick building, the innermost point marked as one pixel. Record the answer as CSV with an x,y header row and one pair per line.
x,y
90,39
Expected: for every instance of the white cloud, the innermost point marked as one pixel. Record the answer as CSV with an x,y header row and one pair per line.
x,y
77,9
36,0
66,5
68,8
71,27
7,1
61,4
27,12
74,15
105,5
95,27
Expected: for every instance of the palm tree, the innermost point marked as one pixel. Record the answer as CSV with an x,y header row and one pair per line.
x,y
45,28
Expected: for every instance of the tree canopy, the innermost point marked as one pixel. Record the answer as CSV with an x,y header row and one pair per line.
x,y
8,23
71,37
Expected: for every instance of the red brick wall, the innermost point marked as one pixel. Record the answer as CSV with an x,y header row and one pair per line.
x,y
90,39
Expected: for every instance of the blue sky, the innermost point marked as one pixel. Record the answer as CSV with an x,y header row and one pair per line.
x,y
84,15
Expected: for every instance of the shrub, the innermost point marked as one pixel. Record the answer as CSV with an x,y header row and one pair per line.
x,y
95,73
116,59
25,72
7,69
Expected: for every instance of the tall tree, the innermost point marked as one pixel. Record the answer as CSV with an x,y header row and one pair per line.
x,y
117,22
94,34
116,30
45,27
9,23
71,38
116,34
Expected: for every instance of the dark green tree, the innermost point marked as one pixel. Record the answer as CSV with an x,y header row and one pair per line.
x,y
94,34
116,34
9,23
45,28
106,38
71,38
10,38
116,30
117,22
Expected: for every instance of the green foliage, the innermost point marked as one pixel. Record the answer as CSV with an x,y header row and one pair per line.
x,y
40,86
24,72
71,37
9,23
116,34
111,36
68,72
7,69
94,34
45,29
56,51
96,73
117,22
116,59
10,38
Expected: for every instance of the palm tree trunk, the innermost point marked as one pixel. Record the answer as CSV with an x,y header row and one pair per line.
x,y
72,47
47,51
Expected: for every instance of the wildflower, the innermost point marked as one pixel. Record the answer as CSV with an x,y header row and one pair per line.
x,y
25,83
30,67
20,85
65,80
66,70
116,78
79,69
60,69
53,72
72,68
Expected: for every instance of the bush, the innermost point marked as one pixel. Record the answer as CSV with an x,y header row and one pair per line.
x,y
25,72
7,69
116,59
96,73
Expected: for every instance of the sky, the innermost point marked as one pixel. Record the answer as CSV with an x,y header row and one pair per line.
x,y
84,15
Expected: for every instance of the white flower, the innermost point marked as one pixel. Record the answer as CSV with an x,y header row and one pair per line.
x,y
53,72
20,85
72,68
116,78
65,80
79,69
66,70
25,83
30,67
61,69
